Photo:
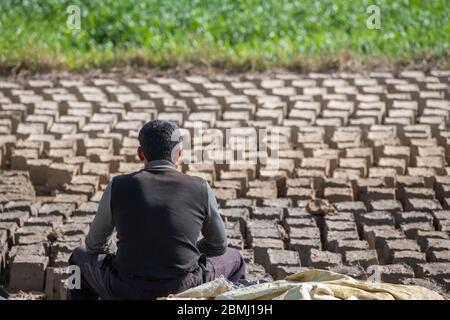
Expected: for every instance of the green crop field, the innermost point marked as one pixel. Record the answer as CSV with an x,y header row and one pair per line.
x,y
230,34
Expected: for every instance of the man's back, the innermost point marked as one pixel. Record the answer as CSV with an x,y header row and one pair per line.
x,y
158,214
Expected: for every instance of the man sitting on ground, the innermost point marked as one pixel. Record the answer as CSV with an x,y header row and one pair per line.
x,y
158,214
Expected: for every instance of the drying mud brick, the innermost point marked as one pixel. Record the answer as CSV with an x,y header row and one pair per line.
x,y
28,272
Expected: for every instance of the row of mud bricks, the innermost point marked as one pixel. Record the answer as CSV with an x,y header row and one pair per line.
x,y
376,146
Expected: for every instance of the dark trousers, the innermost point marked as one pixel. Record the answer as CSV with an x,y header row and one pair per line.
x,y
99,279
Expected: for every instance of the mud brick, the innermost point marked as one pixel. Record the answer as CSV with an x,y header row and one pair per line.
x,y
254,225
18,217
386,205
412,217
28,128
398,164
435,270
330,226
298,212
421,172
435,244
260,233
38,249
76,199
407,228
338,194
408,257
303,246
299,183
61,209
341,246
229,184
240,203
267,213
278,203
416,204
299,223
260,193
356,207
377,172
82,189
375,193
28,273
419,193
411,182
256,272
376,236
354,163
60,174
323,259
321,164
300,193
70,229
223,194
86,219
366,153
355,271
421,235
46,221
377,218
304,233
395,273
341,216
234,214
100,169
390,245
34,238
340,235
439,255
430,162
40,231
275,258
363,258
87,208
364,184
27,206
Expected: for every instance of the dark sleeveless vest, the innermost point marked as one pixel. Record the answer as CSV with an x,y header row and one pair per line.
x,y
158,215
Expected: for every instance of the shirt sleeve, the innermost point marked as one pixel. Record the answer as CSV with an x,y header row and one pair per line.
x,y
214,241
100,236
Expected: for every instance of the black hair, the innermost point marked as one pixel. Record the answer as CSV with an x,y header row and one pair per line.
x,y
158,138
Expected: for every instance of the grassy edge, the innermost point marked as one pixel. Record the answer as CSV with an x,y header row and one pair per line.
x,y
38,60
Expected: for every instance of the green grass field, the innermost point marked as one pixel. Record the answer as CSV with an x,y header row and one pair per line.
x,y
231,34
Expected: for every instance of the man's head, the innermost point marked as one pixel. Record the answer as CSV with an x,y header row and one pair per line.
x,y
160,140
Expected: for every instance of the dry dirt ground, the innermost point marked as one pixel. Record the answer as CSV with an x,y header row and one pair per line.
x,y
375,145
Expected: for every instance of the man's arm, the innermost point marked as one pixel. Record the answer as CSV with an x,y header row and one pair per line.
x,y
99,238
214,242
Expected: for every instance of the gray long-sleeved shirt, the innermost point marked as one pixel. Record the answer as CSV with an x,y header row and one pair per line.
x,y
100,236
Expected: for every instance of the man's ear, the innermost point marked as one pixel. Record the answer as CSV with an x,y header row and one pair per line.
x,y
177,153
180,156
140,154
